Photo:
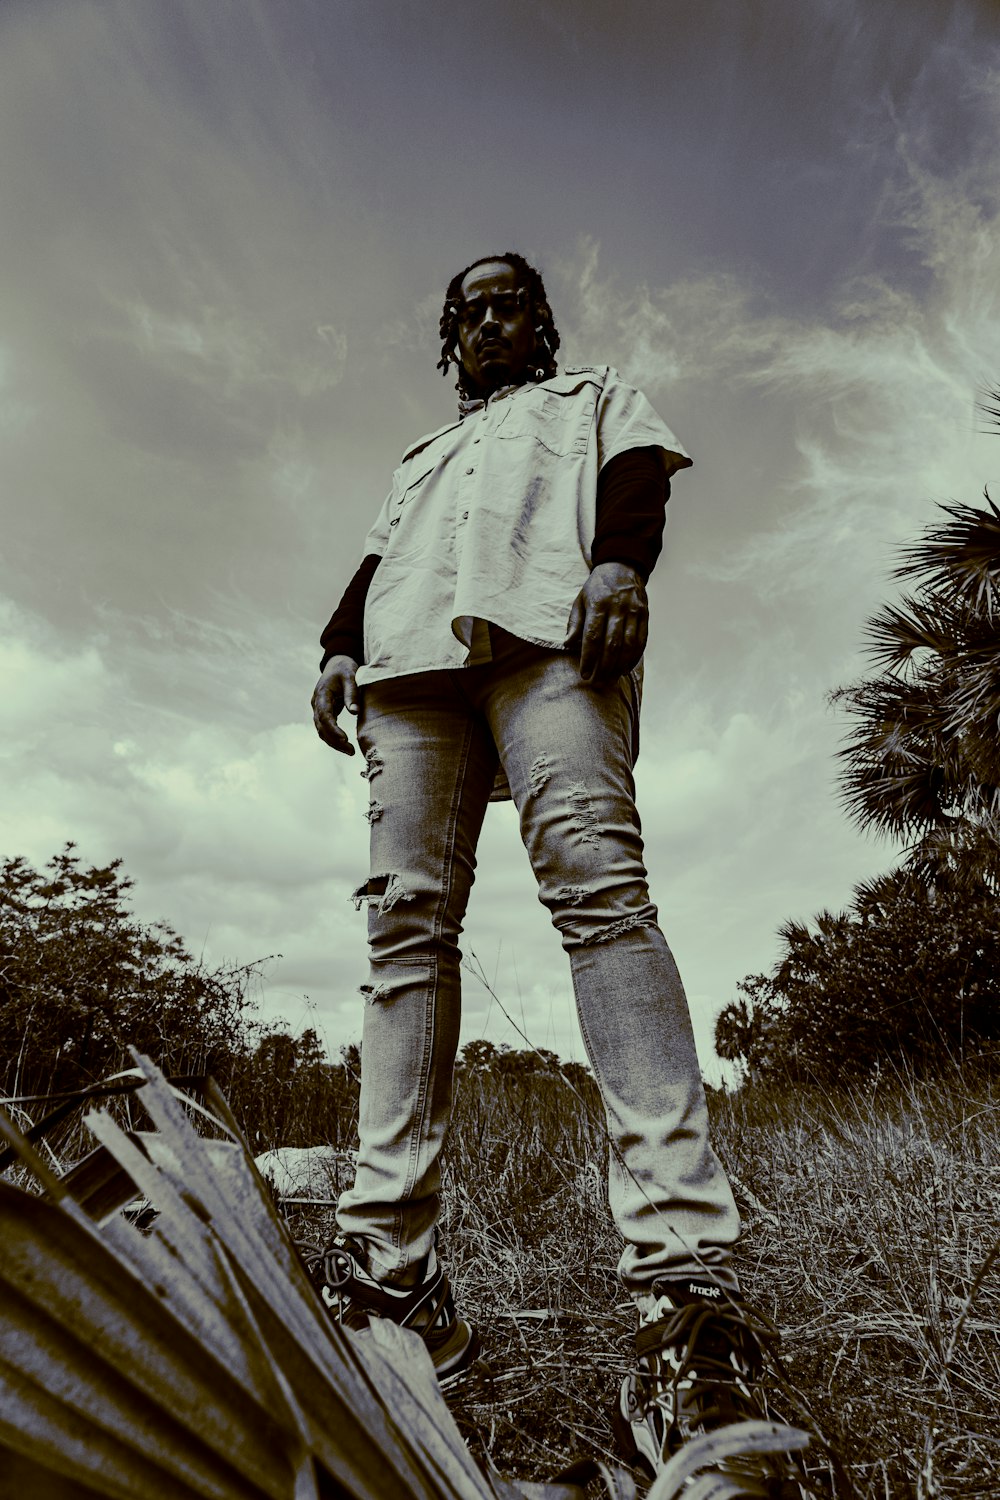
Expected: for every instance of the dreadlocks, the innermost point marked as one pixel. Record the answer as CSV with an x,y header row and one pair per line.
x,y
546,333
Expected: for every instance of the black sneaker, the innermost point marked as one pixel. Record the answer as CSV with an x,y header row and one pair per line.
x,y
700,1357
352,1297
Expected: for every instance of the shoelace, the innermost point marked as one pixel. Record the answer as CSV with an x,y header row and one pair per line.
x,y
332,1271
353,1295
717,1356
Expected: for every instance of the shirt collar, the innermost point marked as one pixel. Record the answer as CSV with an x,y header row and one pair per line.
x,y
466,406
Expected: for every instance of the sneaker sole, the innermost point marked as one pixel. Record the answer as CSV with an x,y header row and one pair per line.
x,y
775,1487
628,1445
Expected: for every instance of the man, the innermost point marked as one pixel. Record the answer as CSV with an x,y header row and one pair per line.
x,y
489,645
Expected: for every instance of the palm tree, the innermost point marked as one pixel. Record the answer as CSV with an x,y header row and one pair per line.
x,y
923,759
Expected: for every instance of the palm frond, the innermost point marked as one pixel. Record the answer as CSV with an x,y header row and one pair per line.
x,y
872,897
991,411
922,759
973,710
898,631
795,934
899,768
960,559
963,856
893,713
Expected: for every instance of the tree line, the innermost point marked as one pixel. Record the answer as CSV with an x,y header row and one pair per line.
x,y
82,980
911,970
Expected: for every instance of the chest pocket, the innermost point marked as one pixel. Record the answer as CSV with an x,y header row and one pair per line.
x,y
557,423
401,505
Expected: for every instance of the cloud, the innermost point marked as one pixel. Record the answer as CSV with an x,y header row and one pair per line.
x,y
890,391
247,839
694,328
231,353
878,388
418,331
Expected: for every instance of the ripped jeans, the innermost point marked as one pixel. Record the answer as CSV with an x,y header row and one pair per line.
x,y
432,742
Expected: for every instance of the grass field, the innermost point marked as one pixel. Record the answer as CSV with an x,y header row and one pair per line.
x,y
872,1236
872,1242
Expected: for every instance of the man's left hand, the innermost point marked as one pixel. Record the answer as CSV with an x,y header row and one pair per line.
x,y
610,622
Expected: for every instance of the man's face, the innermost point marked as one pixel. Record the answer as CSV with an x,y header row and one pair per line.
x,y
496,329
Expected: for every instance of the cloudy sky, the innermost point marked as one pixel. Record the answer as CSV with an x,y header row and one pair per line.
x,y
225,231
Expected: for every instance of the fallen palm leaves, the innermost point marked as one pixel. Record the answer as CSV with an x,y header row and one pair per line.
x,y
194,1360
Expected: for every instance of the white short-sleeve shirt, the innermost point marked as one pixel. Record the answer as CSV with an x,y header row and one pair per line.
x,y
492,519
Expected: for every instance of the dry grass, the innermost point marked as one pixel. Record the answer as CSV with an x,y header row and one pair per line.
x,y
872,1231
872,1241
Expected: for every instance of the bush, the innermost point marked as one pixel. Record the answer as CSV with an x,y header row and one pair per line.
x,y
81,980
909,974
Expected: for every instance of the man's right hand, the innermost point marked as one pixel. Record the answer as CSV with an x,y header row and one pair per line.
x,y
337,689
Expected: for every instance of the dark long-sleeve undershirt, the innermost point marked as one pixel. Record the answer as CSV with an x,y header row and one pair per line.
x,y
632,493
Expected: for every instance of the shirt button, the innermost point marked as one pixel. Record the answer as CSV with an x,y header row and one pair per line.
x,y
477,440
465,515
470,471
